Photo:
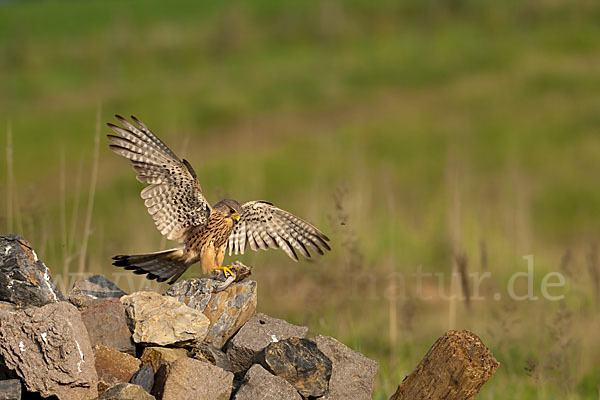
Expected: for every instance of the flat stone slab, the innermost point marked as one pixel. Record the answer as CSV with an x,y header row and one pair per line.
x,y
162,320
94,290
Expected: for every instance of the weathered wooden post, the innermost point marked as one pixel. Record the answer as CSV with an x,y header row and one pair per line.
x,y
455,368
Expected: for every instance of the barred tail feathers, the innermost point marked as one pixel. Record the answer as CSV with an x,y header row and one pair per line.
x,y
161,265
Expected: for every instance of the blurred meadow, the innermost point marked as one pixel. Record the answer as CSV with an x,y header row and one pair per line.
x,y
450,137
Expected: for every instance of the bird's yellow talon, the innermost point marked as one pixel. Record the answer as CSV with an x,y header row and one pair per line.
x,y
226,271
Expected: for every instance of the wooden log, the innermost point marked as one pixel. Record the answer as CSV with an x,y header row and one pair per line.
x,y
455,368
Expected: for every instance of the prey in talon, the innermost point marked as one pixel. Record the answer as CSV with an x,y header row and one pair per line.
x,y
180,211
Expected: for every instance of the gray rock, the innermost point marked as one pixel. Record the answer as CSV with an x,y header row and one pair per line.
x,y
94,290
188,378
24,280
10,389
126,391
162,320
48,348
352,374
106,324
299,362
227,310
256,334
195,293
204,351
259,384
144,377
113,366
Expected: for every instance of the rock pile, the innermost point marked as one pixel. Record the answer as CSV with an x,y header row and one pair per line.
x,y
190,343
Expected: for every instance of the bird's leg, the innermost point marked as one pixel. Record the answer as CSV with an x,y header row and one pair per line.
x,y
226,270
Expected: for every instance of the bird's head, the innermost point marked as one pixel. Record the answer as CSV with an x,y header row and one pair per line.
x,y
229,208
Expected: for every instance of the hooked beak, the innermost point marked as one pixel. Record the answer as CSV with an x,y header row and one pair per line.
x,y
235,217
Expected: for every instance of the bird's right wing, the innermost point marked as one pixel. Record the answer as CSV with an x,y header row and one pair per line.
x,y
174,197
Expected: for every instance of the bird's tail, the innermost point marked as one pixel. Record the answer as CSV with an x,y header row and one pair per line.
x,y
161,265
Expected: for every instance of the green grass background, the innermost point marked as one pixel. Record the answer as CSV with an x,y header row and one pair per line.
x,y
409,131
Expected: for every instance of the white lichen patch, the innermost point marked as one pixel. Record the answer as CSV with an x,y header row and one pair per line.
x,y
35,257
274,338
47,280
44,334
81,361
7,250
21,346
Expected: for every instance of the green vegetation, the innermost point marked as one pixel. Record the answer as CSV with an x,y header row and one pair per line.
x,y
431,128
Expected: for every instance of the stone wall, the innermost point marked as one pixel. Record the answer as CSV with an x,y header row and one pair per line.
x,y
192,342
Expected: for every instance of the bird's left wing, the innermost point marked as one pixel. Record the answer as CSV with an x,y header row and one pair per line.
x,y
174,197
263,226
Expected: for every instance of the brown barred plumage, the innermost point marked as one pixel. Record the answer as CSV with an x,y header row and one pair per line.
x,y
180,211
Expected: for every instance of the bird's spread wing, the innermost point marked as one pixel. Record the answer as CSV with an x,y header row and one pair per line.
x,y
262,225
174,197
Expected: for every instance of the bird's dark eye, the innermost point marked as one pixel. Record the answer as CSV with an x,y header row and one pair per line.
x,y
232,211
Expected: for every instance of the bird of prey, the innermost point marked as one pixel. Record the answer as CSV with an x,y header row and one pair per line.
x,y
180,211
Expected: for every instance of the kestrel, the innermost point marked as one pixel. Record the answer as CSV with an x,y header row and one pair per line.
x,y
180,211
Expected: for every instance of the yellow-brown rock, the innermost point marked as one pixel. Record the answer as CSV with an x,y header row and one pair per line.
x,y
114,366
157,356
162,320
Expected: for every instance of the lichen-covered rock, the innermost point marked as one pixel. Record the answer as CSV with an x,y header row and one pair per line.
x,y
352,374
259,384
10,389
144,377
48,348
157,356
204,351
94,290
162,320
256,334
126,391
24,280
113,366
106,324
299,362
195,293
188,378
227,310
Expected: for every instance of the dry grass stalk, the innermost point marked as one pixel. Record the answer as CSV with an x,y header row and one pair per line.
x,y
63,212
74,213
565,262
594,272
462,262
9,180
483,255
90,207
